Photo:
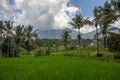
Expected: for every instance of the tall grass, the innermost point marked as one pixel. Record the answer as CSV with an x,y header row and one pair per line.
x,y
57,68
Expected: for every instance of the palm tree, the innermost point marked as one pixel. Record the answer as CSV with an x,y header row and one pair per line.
x,y
9,36
30,38
19,31
1,27
66,37
109,16
1,31
96,20
78,22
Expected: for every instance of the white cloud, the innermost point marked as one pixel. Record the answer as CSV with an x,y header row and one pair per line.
x,y
6,10
45,14
19,0
87,28
116,24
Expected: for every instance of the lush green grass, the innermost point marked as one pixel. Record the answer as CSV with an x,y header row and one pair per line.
x,y
57,68
89,50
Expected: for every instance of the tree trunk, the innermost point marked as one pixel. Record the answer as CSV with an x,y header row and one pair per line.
x,y
79,41
104,40
65,47
8,49
28,52
106,45
97,40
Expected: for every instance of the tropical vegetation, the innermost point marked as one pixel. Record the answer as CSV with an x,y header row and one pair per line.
x,y
65,58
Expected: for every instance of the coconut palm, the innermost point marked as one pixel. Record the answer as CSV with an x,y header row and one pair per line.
x,y
78,22
96,21
1,27
66,37
19,31
30,38
108,17
1,31
9,36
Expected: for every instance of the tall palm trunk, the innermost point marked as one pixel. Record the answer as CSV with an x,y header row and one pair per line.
x,y
17,50
65,47
97,39
79,42
104,40
106,45
8,48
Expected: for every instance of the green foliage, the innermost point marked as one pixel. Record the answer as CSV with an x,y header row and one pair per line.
x,y
30,37
8,48
49,50
99,55
45,42
66,39
23,37
23,51
38,52
58,42
117,55
114,44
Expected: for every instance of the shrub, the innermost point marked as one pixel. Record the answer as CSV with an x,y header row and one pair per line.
x,y
48,51
99,55
38,52
114,45
117,55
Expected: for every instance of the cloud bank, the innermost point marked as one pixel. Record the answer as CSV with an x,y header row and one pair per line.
x,y
42,14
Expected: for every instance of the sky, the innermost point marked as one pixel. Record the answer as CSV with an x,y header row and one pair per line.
x,y
47,14
87,6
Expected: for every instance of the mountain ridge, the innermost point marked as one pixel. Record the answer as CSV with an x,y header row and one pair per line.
x,y
56,34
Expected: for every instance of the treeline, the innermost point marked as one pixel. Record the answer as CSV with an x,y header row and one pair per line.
x,y
104,16
59,42
14,38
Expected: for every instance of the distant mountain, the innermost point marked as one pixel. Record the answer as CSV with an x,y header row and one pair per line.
x,y
56,34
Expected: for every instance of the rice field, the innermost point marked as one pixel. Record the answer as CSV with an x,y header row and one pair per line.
x,y
57,68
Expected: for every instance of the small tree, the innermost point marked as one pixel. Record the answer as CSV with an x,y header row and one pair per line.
x,y
78,22
19,37
30,38
114,44
96,21
66,37
8,39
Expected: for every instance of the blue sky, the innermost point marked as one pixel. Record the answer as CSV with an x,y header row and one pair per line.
x,y
87,6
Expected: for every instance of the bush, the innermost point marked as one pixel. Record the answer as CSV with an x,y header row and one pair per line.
x,y
96,55
117,55
114,45
99,55
48,51
38,52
